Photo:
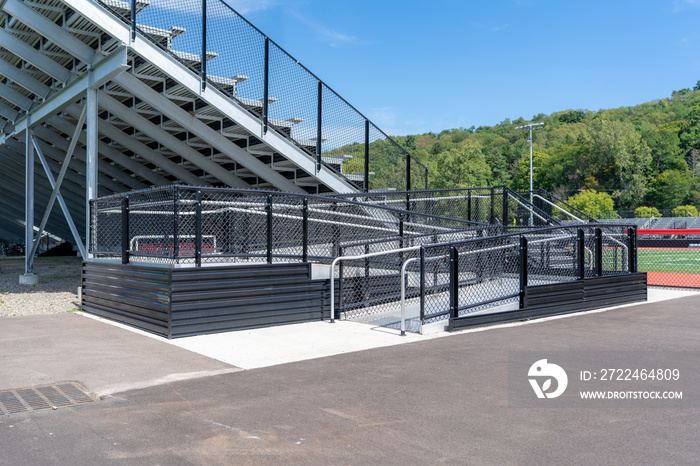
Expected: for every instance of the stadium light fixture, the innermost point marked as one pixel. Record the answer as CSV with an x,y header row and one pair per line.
x,y
529,127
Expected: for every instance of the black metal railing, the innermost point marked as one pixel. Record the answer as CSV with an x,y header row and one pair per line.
x,y
556,207
489,274
484,273
232,55
190,225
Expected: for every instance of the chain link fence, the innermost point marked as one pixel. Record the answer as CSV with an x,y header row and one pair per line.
x,y
496,205
670,258
230,54
487,275
188,225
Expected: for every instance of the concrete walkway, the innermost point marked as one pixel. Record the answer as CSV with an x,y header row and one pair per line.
x,y
250,349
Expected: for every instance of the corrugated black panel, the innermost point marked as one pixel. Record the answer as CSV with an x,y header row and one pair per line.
x,y
564,298
219,299
192,301
135,295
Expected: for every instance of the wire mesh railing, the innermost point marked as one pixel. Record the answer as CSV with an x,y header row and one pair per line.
x,y
494,205
482,273
488,275
190,225
215,42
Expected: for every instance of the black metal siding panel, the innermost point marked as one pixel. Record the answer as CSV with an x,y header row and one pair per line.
x,y
134,295
219,299
564,298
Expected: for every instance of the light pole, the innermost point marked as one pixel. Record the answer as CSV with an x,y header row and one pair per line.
x,y
529,127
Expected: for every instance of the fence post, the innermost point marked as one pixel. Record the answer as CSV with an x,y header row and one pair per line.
x,y
204,44
598,252
469,205
504,218
340,283
176,224
319,122
305,231
365,282
581,254
493,199
422,284
133,20
266,83
523,272
198,229
454,282
632,249
125,230
366,156
268,209
408,175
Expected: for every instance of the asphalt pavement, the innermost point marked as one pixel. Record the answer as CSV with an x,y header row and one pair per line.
x,y
438,400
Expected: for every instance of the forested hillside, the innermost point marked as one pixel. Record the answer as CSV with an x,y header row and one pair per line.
x,y
646,155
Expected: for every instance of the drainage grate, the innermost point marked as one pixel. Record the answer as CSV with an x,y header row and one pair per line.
x,y
22,400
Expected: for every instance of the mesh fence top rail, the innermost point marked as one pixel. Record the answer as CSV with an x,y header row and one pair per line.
x,y
230,54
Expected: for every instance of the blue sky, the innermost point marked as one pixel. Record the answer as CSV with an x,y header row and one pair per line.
x,y
417,66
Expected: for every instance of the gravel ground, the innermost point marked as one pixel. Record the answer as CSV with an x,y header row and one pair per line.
x,y
57,291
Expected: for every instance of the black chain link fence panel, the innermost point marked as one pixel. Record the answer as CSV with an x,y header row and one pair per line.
x,y
370,290
235,224
152,225
615,250
552,256
106,228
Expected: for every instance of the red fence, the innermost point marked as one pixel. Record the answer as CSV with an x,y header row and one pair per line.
x,y
671,257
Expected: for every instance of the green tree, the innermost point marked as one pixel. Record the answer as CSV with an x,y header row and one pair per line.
x,y
671,188
646,212
461,167
619,154
545,172
595,204
685,211
664,145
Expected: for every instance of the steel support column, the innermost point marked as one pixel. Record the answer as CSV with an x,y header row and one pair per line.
x,y
91,161
28,210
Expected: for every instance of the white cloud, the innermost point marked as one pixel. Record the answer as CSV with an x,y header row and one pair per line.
x,y
333,37
249,6
389,121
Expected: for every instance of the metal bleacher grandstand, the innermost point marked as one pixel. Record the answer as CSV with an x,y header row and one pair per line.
x,y
175,136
